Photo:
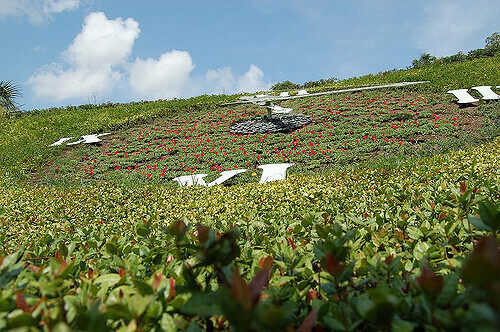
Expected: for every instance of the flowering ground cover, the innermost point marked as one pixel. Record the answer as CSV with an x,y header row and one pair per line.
x,y
403,246
346,128
24,138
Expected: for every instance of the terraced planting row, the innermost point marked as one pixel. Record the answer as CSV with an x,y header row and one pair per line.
x,y
345,129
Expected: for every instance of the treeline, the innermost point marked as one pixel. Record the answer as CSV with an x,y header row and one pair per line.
x,y
491,48
287,85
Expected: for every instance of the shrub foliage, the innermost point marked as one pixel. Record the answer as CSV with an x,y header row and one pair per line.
x,y
409,247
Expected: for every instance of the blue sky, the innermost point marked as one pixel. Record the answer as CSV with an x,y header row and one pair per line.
x,y
68,52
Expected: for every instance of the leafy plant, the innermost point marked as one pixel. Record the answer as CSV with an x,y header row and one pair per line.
x,y
9,92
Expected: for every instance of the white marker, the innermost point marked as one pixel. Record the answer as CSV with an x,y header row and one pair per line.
x,y
463,96
89,139
273,172
61,141
486,92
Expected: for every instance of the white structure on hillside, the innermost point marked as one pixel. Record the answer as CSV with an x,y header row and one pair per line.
x,y
486,92
86,139
279,110
463,96
61,141
273,172
89,139
270,172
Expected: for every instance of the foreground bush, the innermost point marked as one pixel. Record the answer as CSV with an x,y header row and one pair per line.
x,y
192,277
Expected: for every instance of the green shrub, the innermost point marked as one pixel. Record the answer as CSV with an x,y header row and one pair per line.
x,y
286,85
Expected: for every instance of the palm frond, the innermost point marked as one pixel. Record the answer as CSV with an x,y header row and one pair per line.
x,y
8,93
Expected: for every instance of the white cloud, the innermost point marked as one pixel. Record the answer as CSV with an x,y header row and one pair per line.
x,y
452,25
102,42
224,81
99,48
97,60
164,78
58,6
59,85
10,7
170,76
252,80
221,80
37,11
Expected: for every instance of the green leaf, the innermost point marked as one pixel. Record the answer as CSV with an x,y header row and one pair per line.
x,y
420,250
403,326
143,287
193,327
167,323
490,214
479,224
108,280
347,273
72,305
112,248
62,327
63,249
119,311
363,304
333,324
449,290
10,274
21,320
329,288
142,231
202,304
484,313
322,231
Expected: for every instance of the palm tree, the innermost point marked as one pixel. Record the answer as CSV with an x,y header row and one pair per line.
x,y
8,93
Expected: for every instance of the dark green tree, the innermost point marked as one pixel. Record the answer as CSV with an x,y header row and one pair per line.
x,y
9,92
425,60
286,85
493,41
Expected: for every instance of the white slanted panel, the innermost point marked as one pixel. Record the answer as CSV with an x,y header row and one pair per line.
x,y
284,94
280,110
90,139
191,180
463,96
61,141
302,92
486,92
226,175
273,172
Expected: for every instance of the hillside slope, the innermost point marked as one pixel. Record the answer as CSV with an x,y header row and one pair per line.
x,y
24,140
346,129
